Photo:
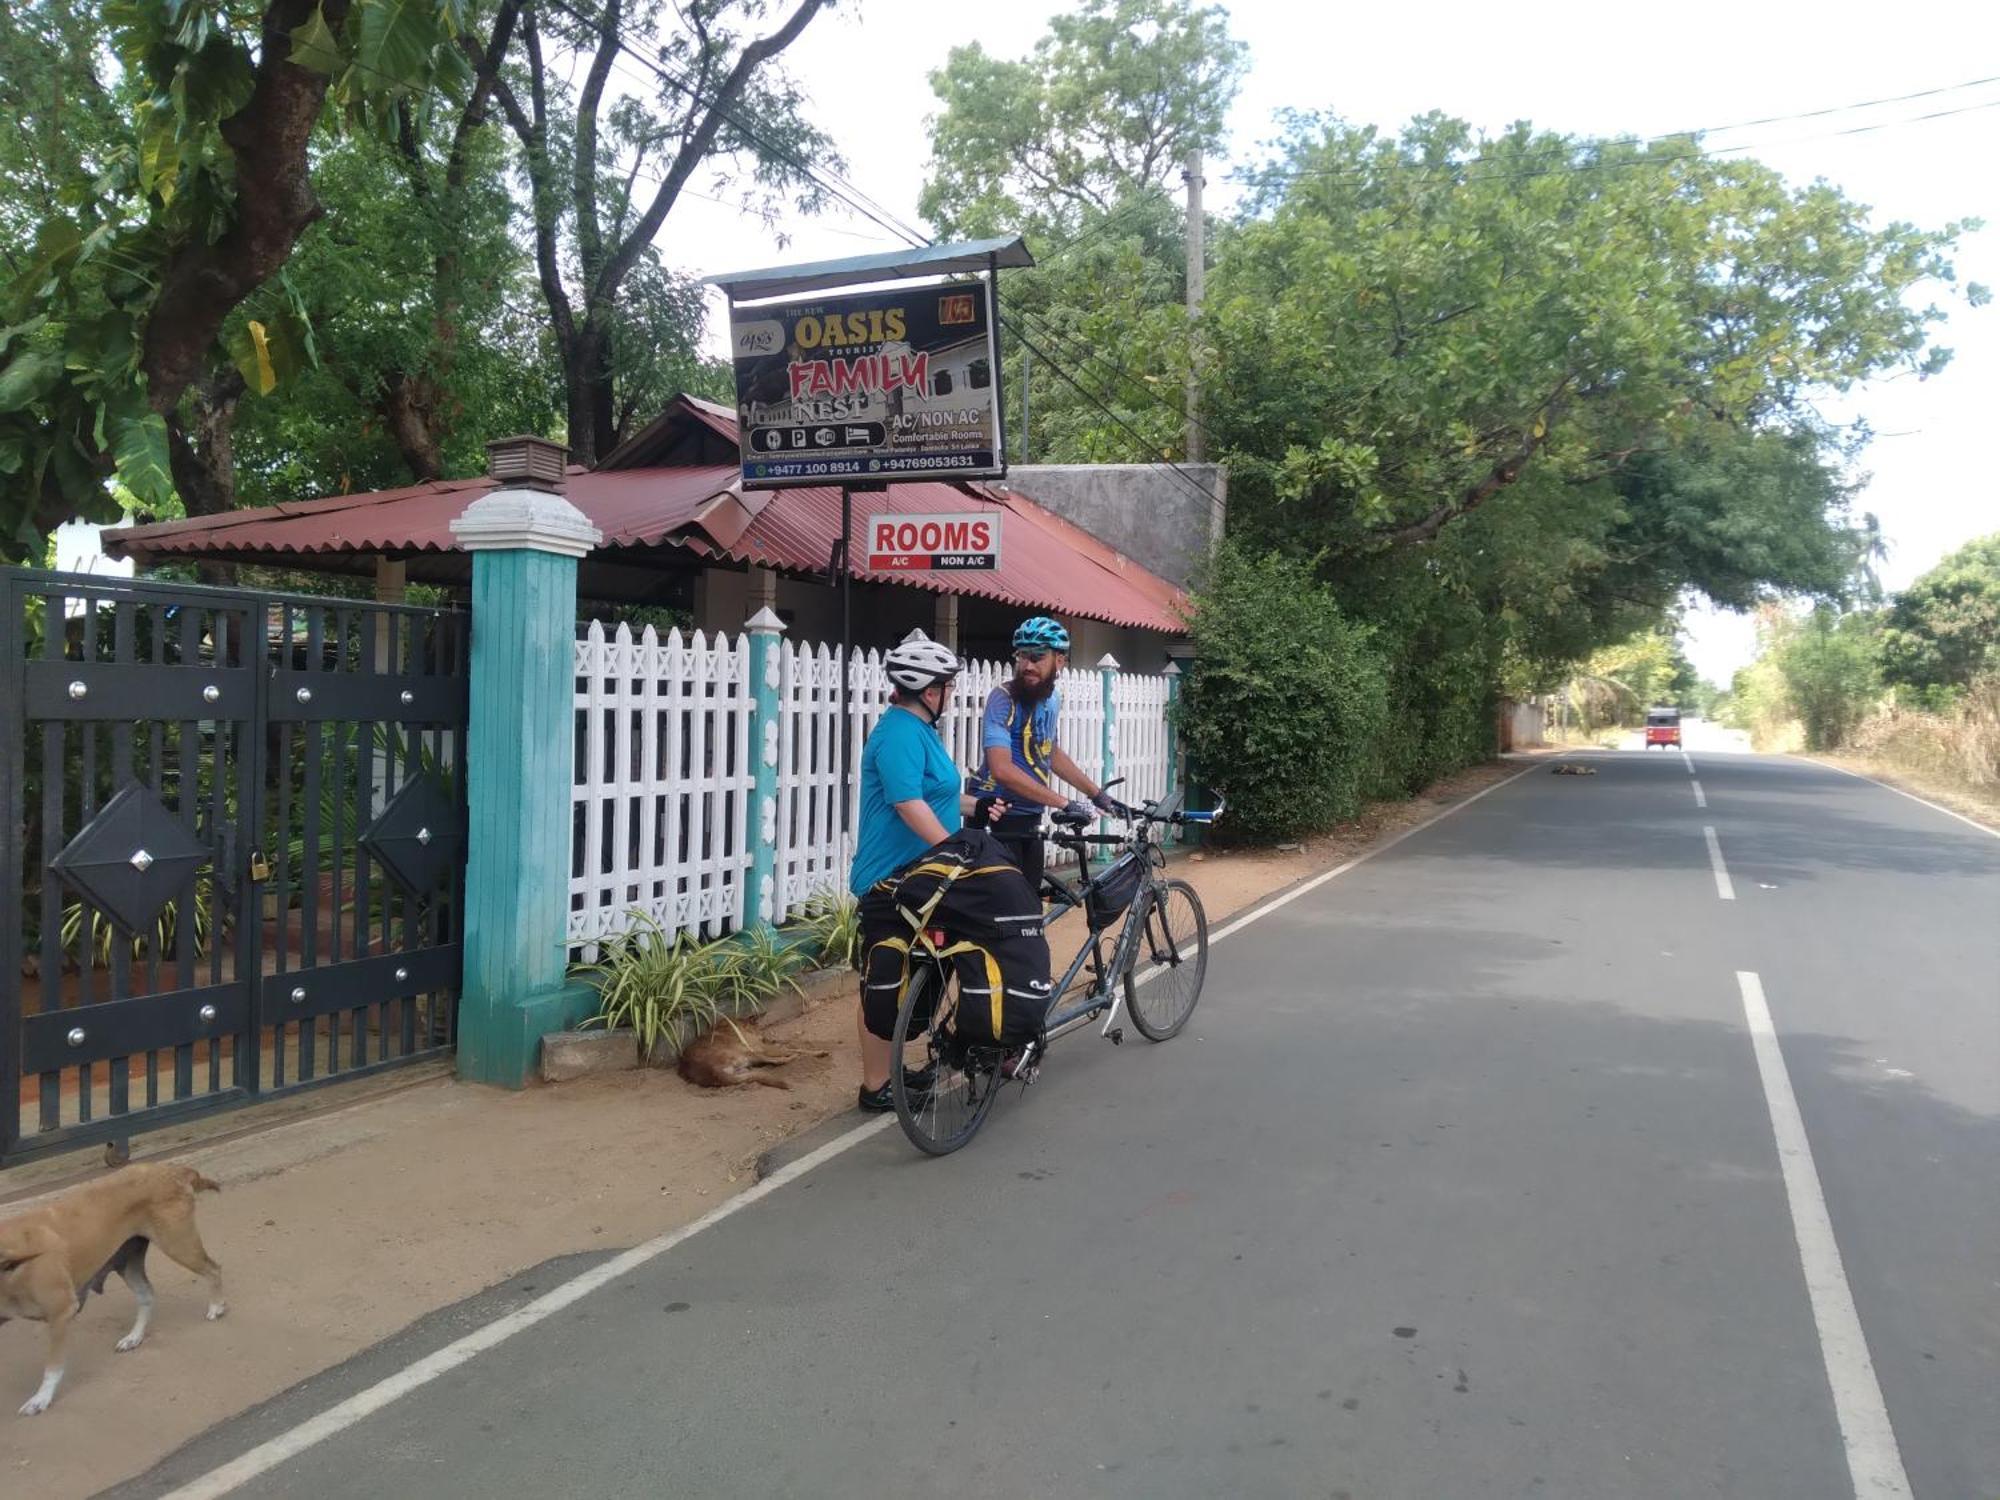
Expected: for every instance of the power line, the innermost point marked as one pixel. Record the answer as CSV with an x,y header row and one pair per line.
x,y
1139,439
1259,176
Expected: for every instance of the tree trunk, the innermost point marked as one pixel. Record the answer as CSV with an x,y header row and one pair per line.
x,y
593,424
201,447
410,408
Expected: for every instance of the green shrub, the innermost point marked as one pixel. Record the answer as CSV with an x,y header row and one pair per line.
x,y
1286,702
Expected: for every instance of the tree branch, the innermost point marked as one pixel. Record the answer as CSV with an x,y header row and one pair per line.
x,y
583,163
485,73
1503,473
533,133
694,147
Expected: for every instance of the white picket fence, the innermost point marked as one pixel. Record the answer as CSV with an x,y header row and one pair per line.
x,y
660,805
663,770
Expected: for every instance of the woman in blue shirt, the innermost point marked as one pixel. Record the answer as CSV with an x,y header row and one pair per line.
x,y
910,800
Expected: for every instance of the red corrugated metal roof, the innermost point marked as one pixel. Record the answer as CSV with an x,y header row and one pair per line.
x,y
1046,563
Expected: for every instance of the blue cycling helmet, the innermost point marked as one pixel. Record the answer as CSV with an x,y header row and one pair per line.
x,y
1042,634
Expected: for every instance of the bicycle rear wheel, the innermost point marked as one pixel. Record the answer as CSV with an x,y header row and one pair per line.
x,y
1165,976
965,1080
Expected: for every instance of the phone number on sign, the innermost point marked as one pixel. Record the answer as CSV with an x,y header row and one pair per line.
x,y
860,469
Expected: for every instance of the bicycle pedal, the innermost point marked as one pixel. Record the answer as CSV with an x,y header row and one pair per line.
x,y
1117,1035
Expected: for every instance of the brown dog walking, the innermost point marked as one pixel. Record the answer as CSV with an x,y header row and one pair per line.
x,y
54,1257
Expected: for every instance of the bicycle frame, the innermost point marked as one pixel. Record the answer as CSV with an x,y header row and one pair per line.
x,y
1104,994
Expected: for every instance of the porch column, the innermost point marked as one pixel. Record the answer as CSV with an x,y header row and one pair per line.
x,y
525,544
945,621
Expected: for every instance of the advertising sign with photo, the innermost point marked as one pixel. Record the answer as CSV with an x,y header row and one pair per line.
x,y
869,387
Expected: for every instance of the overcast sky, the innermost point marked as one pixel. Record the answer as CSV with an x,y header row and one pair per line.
x,y
1605,69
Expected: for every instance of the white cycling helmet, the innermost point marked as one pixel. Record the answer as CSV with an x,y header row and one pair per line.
x,y
918,662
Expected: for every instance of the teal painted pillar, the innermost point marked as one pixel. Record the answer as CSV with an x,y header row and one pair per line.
x,y
1107,673
525,544
1173,675
760,896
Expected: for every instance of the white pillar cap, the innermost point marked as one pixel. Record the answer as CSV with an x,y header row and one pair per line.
x,y
1107,663
765,622
525,520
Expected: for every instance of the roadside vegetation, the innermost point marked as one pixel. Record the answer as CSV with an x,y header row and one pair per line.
x,y
1910,688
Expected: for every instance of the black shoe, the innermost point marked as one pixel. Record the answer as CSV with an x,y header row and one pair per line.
x,y
881,1101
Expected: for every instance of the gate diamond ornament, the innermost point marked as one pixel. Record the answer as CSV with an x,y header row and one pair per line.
x,y
420,836
132,858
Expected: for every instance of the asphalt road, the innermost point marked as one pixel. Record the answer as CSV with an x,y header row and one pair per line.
x,y
1462,1182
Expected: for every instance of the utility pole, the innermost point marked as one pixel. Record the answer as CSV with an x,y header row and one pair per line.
x,y
1027,364
1197,440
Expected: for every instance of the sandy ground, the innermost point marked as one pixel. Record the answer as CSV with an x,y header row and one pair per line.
x,y
338,1229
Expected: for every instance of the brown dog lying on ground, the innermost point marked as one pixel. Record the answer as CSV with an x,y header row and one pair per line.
x,y
54,1257
724,1057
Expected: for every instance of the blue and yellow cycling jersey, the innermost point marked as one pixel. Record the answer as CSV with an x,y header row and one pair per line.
x,y
1027,734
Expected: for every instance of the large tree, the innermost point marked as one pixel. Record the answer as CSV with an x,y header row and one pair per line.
x,y
1080,146
1111,101
1944,629
122,290
608,160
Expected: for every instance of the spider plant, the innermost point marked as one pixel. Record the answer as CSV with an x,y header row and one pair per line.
x,y
752,967
662,985
832,919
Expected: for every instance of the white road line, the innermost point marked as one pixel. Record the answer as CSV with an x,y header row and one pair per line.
x,y
1688,760
1722,886
267,1456
1308,886
1873,1460
362,1404
1699,799
1925,801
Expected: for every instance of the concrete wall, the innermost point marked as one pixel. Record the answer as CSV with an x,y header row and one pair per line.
x,y
1521,724
1147,511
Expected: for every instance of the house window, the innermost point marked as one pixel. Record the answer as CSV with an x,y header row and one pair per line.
x,y
941,383
980,376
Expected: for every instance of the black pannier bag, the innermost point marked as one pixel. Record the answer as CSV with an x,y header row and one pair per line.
x,y
966,902
1111,890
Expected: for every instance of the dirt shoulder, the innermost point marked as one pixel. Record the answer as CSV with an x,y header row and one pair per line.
x,y
1982,806
340,1228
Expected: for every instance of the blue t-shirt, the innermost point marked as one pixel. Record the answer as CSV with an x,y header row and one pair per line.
x,y
904,760
1027,734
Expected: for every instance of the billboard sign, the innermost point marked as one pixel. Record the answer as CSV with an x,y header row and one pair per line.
x,y
869,387
968,541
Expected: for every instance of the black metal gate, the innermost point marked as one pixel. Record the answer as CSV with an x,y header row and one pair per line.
x,y
234,848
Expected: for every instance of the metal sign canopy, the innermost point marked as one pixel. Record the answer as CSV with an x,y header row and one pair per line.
x,y
1007,252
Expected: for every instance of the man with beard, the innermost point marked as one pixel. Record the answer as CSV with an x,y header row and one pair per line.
x,y
1023,760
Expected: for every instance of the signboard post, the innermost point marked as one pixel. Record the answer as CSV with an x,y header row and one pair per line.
x,y
865,388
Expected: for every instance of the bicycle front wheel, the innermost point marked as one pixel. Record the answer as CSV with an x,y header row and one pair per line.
x,y
1164,979
963,1080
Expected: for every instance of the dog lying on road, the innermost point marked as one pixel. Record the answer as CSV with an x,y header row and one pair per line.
x,y
725,1056
54,1257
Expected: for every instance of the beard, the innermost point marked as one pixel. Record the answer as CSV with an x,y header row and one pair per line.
x,y
1031,695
